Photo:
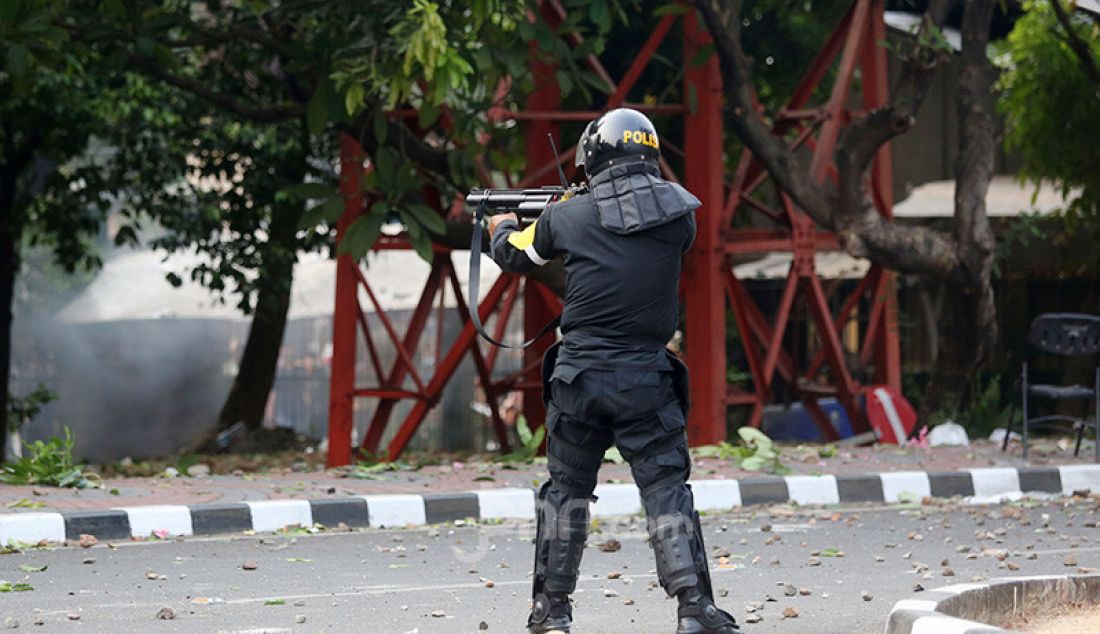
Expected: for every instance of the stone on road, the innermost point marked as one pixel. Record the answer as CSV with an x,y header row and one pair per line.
x,y
474,578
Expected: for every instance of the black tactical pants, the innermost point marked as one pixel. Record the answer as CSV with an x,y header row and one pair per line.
x,y
639,413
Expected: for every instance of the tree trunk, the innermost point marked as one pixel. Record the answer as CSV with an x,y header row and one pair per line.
x,y
961,260
969,323
256,373
9,267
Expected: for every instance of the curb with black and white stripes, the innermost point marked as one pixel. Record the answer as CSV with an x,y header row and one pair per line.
x,y
970,608
978,485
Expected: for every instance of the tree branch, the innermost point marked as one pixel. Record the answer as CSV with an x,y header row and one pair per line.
x,y
260,114
844,208
1079,48
401,138
723,20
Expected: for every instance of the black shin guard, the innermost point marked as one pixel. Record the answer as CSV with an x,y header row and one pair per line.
x,y
672,537
560,536
697,612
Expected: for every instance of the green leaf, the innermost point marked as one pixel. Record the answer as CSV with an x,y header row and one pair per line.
x,y
310,191
753,463
523,430
564,81
317,112
428,217
362,233
275,602
25,503
754,437
422,244
384,167
353,98
28,568
600,15
537,438
381,127
702,55
673,8
328,211
428,114
614,456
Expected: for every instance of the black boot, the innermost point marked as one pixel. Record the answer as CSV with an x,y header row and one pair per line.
x,y
698,615
550,615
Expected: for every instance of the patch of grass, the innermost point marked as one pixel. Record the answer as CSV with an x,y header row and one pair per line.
x,y
49,463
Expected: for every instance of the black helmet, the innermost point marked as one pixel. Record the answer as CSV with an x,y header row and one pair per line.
x,y
619,135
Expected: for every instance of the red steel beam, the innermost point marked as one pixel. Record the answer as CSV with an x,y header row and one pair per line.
x,y
415,329
461,344
705,331
342,381
841,91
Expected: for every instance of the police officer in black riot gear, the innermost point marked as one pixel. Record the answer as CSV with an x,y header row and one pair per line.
x,y
610,380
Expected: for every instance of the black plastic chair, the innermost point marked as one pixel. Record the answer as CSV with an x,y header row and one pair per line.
x,y
1067,335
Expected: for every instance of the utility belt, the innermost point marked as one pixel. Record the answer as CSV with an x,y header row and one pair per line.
x,y
680,376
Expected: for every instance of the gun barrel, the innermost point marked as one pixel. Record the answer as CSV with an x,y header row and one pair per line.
x,y
525,202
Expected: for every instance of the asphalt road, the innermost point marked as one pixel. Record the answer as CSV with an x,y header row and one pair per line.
x,y
454,578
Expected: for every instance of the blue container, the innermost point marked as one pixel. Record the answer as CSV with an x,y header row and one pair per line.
x,y
792,422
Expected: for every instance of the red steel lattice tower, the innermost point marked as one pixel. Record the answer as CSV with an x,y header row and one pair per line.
x,y
711,293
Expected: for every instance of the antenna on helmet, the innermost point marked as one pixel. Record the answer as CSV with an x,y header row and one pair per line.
x,y
557,161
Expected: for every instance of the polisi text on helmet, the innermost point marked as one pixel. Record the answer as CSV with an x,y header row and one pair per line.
x,y
640,136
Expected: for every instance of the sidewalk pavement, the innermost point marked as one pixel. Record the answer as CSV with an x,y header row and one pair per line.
x,y
182,505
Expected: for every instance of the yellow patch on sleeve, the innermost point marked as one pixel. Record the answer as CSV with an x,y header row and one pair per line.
x,y
523,239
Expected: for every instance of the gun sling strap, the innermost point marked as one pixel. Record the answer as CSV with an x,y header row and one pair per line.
x,y
475,279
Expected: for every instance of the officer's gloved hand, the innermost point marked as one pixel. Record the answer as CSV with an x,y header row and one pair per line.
x,y
499,218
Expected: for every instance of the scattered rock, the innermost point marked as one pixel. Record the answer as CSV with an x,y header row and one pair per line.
x,y
87,541
166,614
918,587
1069,560
610,546
438,614
88,560
11,623
790,613
805,592
628,601
865,595
614,575
789,589
753,618
947,572
73,616
814,561
199,470
299,618
1012,566
249,565
483,626
149,574
609,593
